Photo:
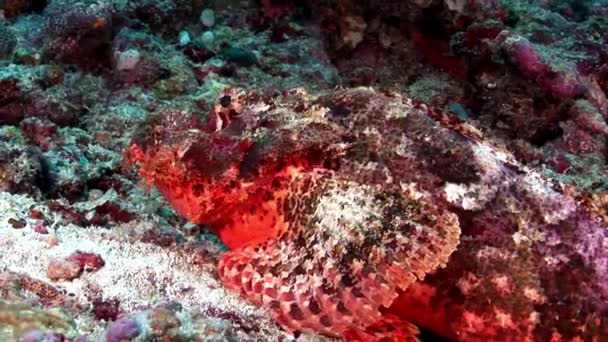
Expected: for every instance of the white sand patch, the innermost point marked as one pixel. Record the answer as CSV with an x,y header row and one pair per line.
x,y
138,274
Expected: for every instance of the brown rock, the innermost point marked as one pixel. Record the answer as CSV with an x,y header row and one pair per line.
x,y
63,269
164,323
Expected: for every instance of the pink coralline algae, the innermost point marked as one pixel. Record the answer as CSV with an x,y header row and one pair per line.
x,y
73,266
106,310
338,205
565,66
560,82
89,262
526,57
11,101
39,336
39,131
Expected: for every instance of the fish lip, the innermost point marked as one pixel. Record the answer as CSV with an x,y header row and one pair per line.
x,y
219,216
225,211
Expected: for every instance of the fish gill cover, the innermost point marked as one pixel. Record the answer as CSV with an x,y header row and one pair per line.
x,y
285,170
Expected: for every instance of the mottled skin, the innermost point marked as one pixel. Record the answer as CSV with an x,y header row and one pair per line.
x,y
336,207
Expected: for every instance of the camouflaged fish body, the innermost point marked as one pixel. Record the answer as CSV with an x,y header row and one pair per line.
x,y
338,206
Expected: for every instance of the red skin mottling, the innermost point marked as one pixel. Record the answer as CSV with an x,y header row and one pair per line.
x,y
237,228
240,186
304,158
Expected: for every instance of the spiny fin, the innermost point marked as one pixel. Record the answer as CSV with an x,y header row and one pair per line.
x,y
389,328
348,250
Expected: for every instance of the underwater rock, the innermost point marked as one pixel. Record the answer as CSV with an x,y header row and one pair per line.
x,y
63,270
139,58
18,321
163,16
273,9
8,41
69,167
13,8
164,323
108,310
39,131
20,169
208,17
80,35
46,92
134,65
559,82
240,56
123,330
169,322
89,262
12,102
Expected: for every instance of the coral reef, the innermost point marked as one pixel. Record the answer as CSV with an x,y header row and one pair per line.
x,y
288,170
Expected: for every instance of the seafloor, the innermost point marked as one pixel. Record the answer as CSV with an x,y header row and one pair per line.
x,y
90,251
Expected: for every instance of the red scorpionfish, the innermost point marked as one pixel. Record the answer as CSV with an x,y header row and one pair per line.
x,y
341,209
321,231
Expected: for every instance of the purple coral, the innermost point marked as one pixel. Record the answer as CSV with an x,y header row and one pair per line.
x,y
123,329
33,336
39,336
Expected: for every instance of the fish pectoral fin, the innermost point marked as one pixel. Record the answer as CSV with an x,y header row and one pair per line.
x,y
389,328
348,251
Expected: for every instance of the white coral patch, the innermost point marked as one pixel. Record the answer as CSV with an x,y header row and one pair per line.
x,y
403,148
128,60
555,207
489,160
519,238
533,295
468,196
502,283
371,131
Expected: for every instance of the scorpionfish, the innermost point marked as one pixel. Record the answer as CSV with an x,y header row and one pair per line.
x,y
361,215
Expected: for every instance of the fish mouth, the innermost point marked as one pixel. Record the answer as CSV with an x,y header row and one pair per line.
x,y
224,211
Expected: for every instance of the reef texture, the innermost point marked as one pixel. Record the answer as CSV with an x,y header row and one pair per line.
x,y
356,170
